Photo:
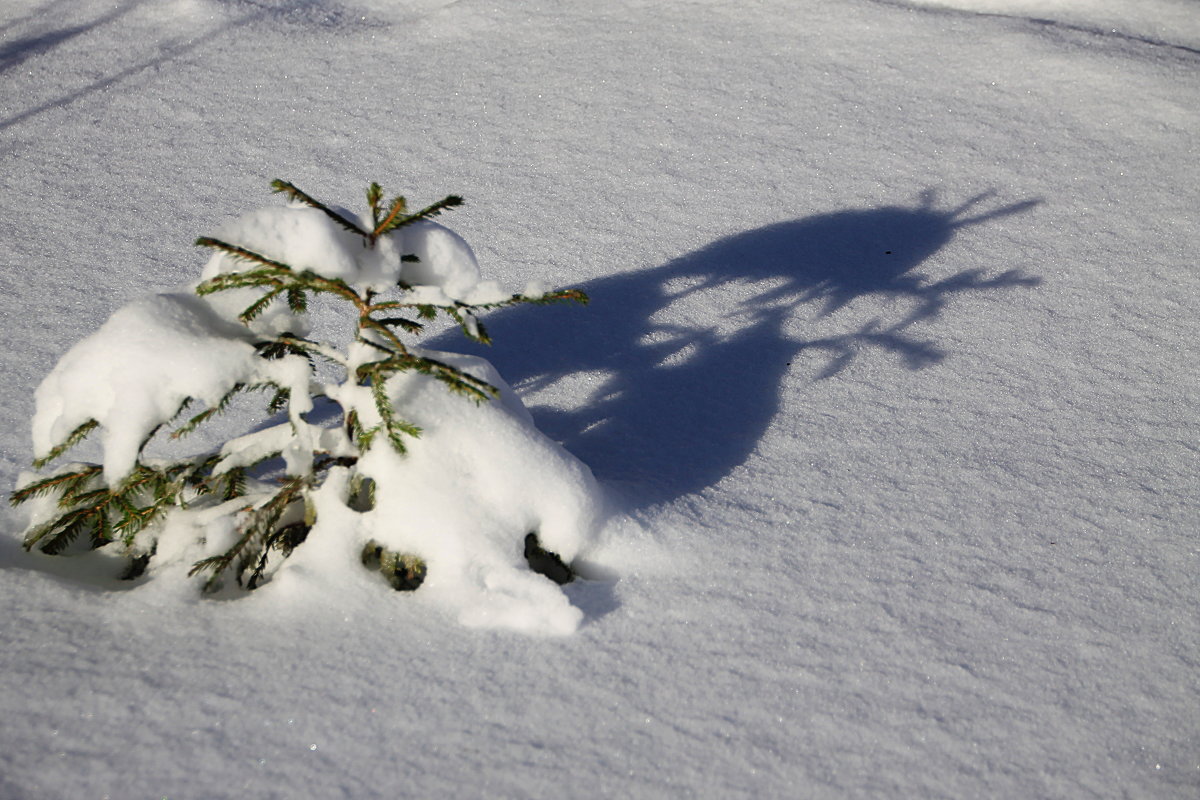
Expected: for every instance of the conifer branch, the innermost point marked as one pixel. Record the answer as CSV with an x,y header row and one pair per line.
x,y
73,438
79,482
366,437
392,220
279,401
549,298
240,253
307,347
374,196
408,325
283,187
56,535
210,412
472,328
297,301
255,309
559,296
275,349
387,305
67,483
235,483
429,212
367,323
135,520
395,427
258,526
455,379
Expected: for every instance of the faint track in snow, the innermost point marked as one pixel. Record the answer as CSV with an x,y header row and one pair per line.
x,y
1044,22
311,13
15,52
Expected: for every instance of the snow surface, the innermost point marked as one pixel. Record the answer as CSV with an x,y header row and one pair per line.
x,y
1169,23
909,481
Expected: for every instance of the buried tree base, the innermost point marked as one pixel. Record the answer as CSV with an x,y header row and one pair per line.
x,y
406,573
543,562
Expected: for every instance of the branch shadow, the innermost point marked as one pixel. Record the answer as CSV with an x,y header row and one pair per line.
x,y
14,53
311,14
668,409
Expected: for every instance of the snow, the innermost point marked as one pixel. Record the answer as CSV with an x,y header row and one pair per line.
x,y
308,239
133,374
444,259
476,480
1172,23
304,237
918,524
476,476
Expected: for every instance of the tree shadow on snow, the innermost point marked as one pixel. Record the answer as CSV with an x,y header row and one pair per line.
x,y
675,402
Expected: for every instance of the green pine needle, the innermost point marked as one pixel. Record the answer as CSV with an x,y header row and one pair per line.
x,y
374,196
259,524
73,438
410,326
255,309
209,413
399,219
240,253
67,482
283,187
297,301
393,219
279,401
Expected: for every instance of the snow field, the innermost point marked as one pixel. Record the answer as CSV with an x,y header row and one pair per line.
x,y
867,553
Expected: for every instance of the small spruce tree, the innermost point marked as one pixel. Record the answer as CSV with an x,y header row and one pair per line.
x,y
125,503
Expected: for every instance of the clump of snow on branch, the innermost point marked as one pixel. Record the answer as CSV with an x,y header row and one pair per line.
x,y
133,374
309,239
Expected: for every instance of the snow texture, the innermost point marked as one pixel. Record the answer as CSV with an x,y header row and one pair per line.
x,y
909,486
1170,23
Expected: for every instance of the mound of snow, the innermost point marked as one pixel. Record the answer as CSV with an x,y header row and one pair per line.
x,y
463,497
444,259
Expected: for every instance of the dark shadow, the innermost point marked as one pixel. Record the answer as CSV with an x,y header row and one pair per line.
x,y
596,598
1098,31
167,54
10,549
672,408
88,570
13,53
47,10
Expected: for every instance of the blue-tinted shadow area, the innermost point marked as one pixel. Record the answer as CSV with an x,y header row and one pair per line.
x,y
675,407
